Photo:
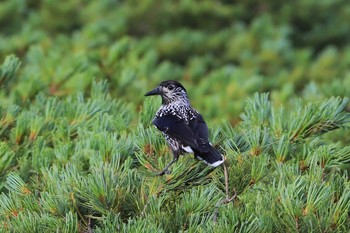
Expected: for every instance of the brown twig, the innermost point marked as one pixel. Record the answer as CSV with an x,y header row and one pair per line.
x,y
89,226
227,199
226,180
144,208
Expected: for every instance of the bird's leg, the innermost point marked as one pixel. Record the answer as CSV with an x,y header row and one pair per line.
x,y
166,169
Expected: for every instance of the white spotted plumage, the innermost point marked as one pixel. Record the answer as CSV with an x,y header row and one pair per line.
x,y
182,126
183,112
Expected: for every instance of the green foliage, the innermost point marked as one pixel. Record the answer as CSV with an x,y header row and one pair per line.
x,y
78,152
8,69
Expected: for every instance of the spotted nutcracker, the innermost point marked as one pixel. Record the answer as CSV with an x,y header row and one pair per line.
x,y
183,127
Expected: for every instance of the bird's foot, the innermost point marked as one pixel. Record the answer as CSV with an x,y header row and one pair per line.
x,y
163,172
166,169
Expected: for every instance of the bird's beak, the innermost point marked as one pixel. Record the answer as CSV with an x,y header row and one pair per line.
x,y
155,91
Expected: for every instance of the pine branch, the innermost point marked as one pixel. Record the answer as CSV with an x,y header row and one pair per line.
x,y
257,110
15,184
6,160
8,69
318,118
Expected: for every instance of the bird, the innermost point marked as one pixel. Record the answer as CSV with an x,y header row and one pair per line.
x,y
182,126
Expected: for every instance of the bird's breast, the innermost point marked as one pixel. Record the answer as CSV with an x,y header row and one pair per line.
x,y
182,112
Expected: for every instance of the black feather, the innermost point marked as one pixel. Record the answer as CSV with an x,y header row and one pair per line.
x,y
194,134
183,127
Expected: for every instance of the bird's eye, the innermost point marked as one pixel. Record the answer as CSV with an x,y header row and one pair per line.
x,y
171,87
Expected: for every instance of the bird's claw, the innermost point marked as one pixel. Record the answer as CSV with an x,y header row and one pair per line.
x,y
163,172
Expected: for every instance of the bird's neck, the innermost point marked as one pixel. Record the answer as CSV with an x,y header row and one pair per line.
x,y
179,101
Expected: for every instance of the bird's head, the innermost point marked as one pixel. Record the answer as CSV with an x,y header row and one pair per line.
x,y
170,91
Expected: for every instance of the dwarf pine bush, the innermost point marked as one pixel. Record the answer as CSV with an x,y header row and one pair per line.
x,y
78,152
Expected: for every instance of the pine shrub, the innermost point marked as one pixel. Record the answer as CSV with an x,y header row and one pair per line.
x,y
78,152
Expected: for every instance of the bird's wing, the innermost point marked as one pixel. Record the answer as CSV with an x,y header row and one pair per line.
x,y
194,134
199,128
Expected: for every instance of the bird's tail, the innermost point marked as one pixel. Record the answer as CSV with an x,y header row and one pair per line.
x,y
213,158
